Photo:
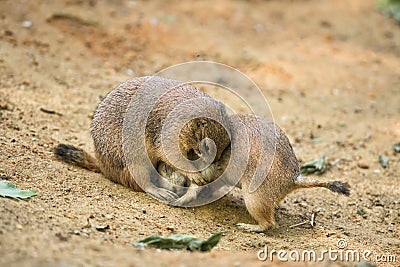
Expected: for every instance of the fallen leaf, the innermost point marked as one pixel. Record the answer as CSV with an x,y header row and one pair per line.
x,y
316,166
360,212
188,242
206,245
9,190
390,7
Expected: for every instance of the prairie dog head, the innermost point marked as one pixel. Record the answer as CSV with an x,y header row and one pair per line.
x,y
197,136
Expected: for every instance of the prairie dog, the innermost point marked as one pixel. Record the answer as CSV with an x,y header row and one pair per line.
x,y
165,94
283,176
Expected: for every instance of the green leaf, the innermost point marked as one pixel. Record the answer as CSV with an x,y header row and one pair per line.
x,y
181,242
316,166
9,190
360,212
206,245
171,242
390,7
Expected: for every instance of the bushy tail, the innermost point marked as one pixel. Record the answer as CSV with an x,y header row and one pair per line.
x,y
335,186
76,156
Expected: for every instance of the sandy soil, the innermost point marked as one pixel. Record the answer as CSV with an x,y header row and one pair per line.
x,y
329,69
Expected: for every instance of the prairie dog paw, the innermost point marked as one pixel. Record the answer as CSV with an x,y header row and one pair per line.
x,y
256,228
211,173
179,179
198,179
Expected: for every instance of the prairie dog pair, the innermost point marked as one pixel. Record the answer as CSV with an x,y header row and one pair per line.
x,y
107,127
164,95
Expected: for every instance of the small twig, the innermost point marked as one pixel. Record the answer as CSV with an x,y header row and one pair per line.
x,y
50,111
311,221
299,224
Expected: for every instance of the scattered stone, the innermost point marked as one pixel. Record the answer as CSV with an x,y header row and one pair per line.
x,y
8,33
384,161
396,147
330,234
101,228
27,24
110,216
61,237
362,165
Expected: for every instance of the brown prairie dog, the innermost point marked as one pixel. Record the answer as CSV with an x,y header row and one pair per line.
x,y
107,127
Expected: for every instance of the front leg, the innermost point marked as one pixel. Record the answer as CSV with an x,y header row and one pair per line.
x,y
173,180
149,182
190,195
197,181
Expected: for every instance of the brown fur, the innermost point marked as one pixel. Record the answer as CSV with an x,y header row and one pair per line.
x,y
76,156
108,122
282,178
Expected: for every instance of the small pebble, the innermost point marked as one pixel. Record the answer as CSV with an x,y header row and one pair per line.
x,y
362,165
153,21
130,72
27,24
330,234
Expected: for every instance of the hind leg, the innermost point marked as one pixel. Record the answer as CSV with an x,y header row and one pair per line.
x,y
262,211
262,226
197,181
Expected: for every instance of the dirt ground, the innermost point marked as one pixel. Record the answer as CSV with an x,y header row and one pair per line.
x,y
329,69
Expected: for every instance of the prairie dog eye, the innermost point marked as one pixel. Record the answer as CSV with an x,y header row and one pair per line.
x,y
191,154
201,123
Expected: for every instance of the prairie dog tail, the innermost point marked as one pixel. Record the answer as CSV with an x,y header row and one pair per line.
x,y
335,186
76,156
